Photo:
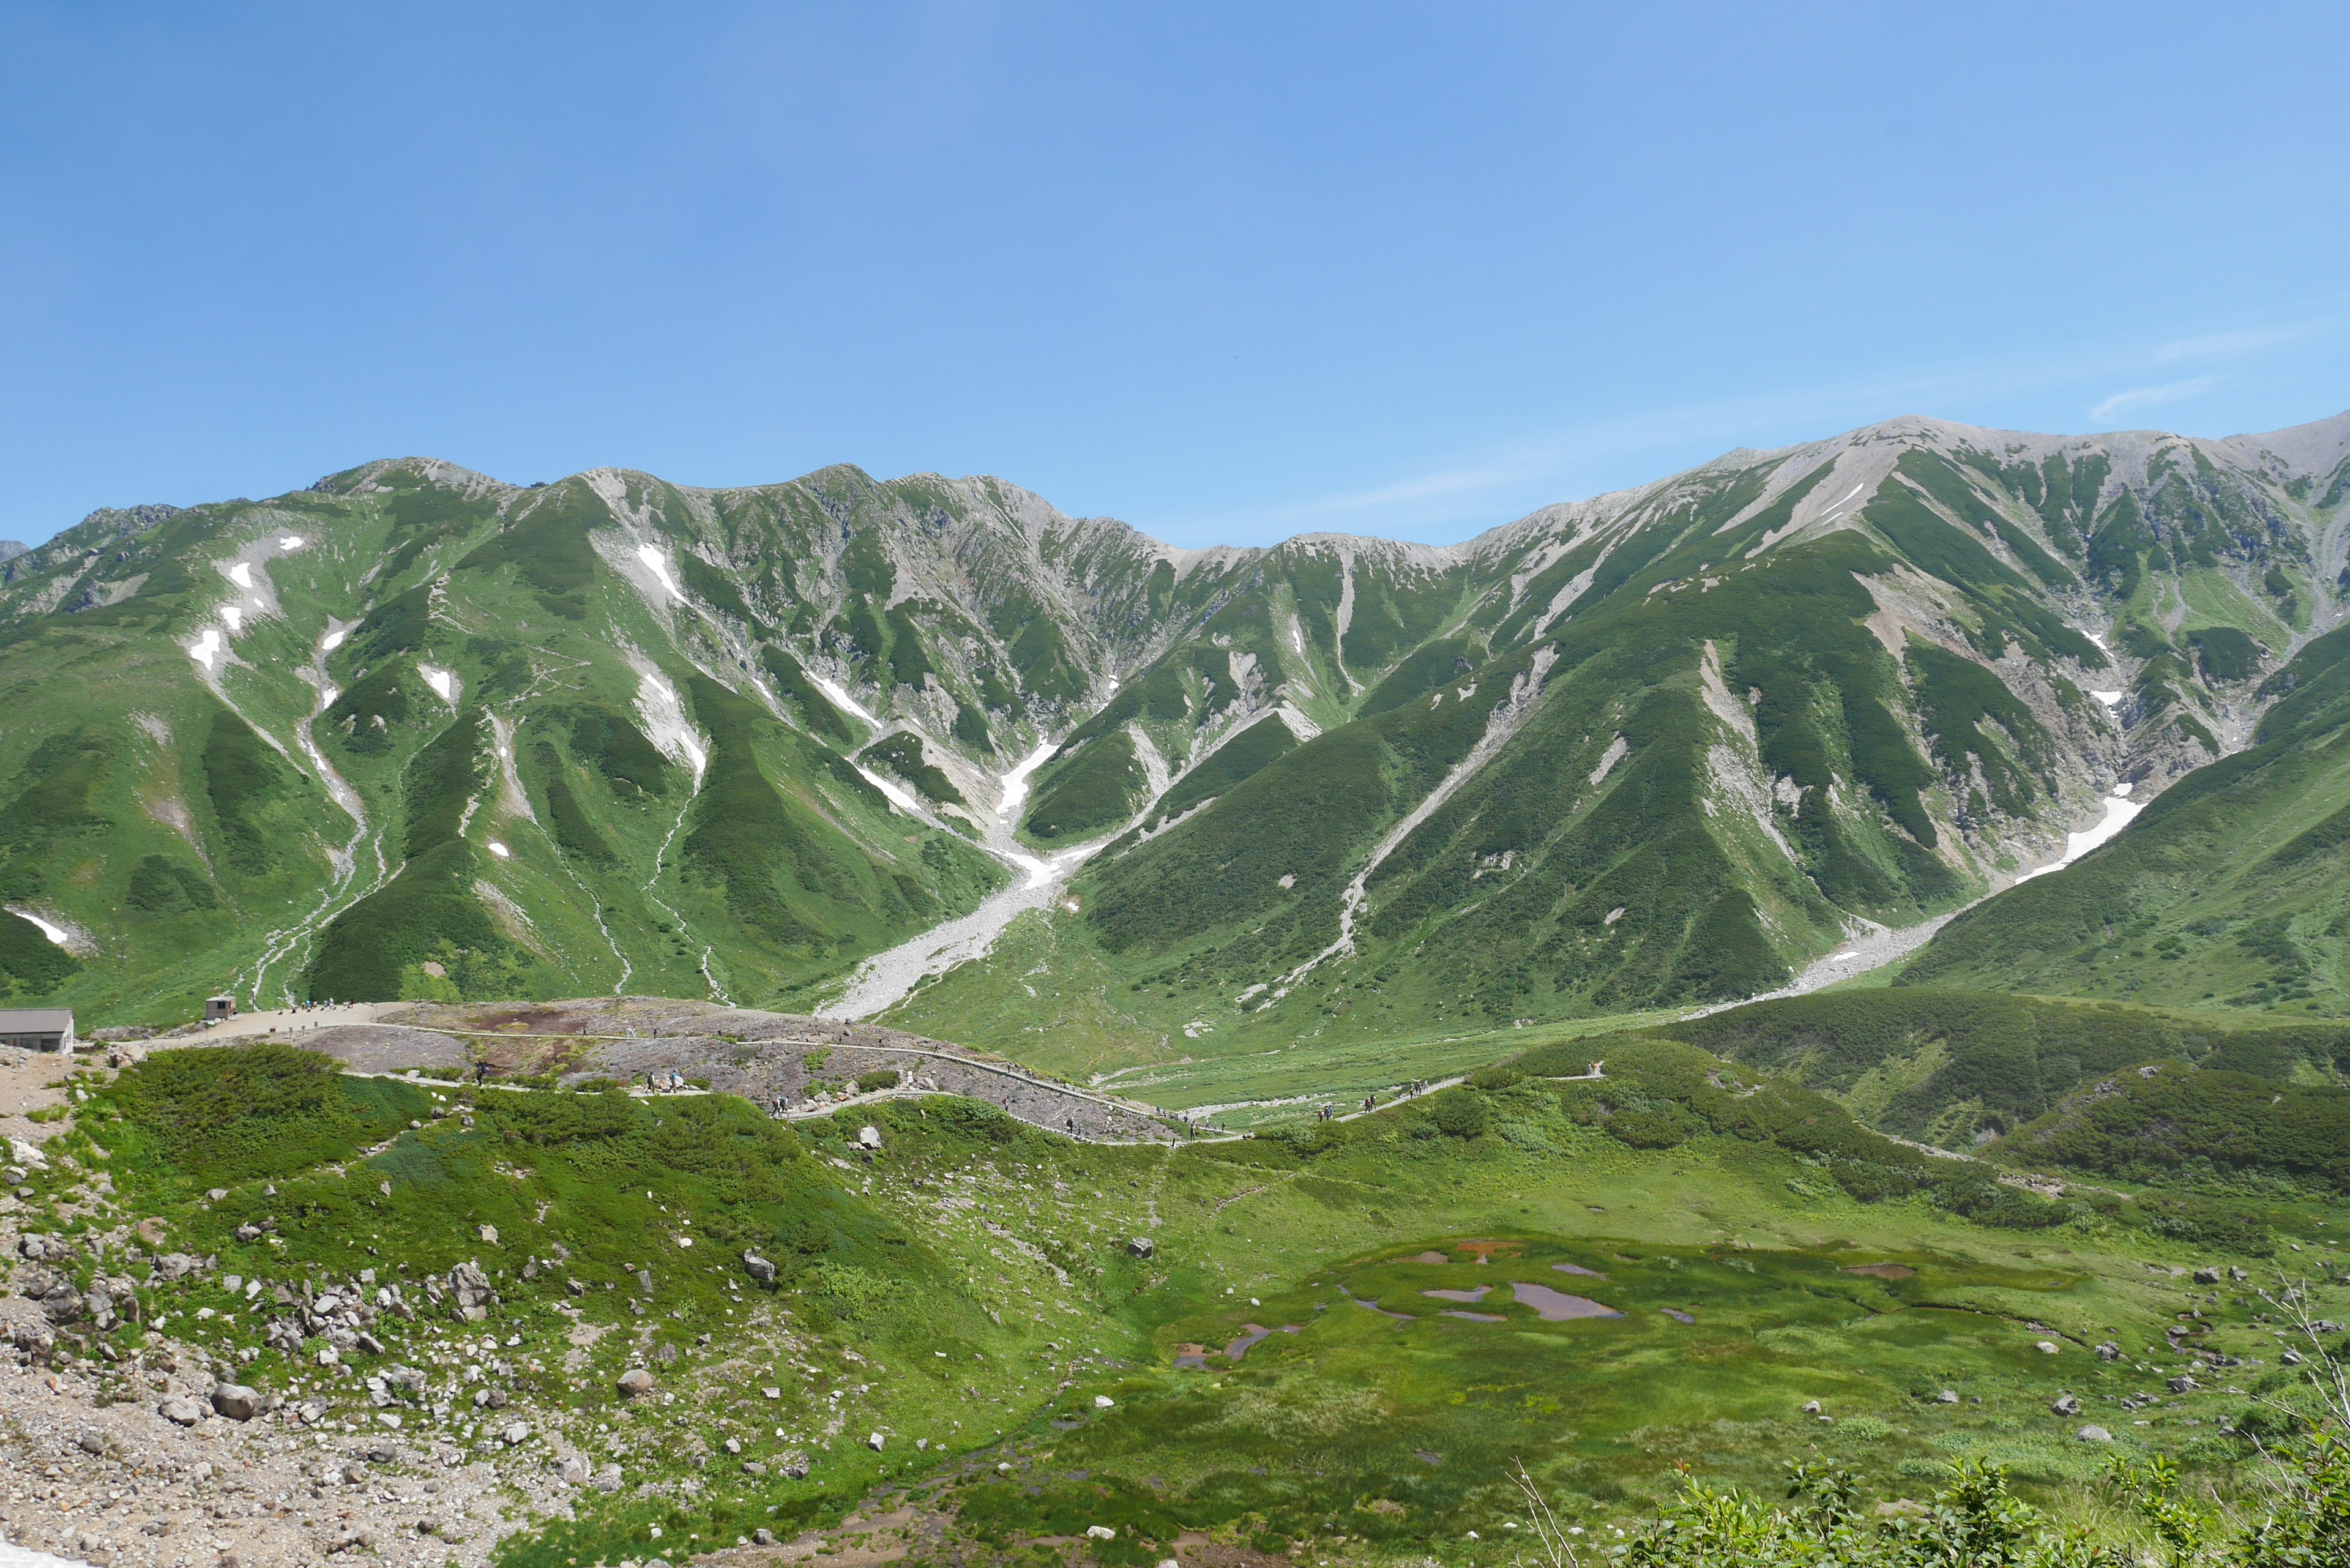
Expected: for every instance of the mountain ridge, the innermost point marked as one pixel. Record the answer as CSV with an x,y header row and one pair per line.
x,y
611,731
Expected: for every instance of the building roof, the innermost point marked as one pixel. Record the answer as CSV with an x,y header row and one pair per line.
x,y
37,1021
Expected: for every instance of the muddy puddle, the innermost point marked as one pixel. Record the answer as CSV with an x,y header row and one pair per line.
x,y
1558,1307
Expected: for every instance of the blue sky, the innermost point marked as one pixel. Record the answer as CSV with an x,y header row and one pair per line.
x,y
1228,272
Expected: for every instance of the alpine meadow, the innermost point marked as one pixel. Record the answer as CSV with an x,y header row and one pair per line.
x,y
1796,1014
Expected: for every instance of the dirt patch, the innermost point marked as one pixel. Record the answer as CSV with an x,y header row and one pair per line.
x,y
1471,1297
25,1080
1883,1271
1558,1307
1486,1251
381,1048
1425,1258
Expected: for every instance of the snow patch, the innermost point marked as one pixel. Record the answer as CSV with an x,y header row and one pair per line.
x,y
900,798
331,641
206,647
2120,809
291,542
665,723
658,564
2110,699
1303,728
1615,753
241,575
56,933
500,850
442,681
234,616
1016,782
840,698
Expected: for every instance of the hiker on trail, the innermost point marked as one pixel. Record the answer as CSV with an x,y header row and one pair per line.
x,y
481,1071
649,1083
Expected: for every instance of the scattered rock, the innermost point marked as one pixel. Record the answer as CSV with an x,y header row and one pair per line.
x,y
759,1268
874,1441
1812,1408
2066,1405
2047,1347
869,1137
2237,1274
2094,1435
793,1464
608,1480
469,1292
515,1435
1141,1247
180,1410
2291,1358
1103,1401
489,1234
762,1537
2109,1352
1947,1397
2207,1276
2182,1384
636,1382
1101,1532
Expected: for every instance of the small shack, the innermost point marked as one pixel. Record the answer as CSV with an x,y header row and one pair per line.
x,y
38,1028
217,1008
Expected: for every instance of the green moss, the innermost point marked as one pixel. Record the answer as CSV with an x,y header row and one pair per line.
x,y
31,966
629,762
242,776
1956,698
161,886
1241,757
241,1113
1098,788
575,830
805,698
2225,653
548,548
902,755
58,791
365,717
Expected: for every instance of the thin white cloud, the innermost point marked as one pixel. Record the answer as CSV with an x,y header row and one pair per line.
x,y
1478,490
2120,403
2235,345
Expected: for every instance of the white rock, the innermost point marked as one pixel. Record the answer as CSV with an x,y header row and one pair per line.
x,y
1103,1401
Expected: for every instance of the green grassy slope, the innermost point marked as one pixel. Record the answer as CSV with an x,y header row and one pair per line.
x,y
1655,747
2229,890
969,1293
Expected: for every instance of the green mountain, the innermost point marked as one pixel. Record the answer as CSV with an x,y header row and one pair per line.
x,y
2230,890
931,744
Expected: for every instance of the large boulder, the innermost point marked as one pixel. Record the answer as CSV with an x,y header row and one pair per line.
x,y
470,1293
180,1410
237,1402
636,1382
759,1268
